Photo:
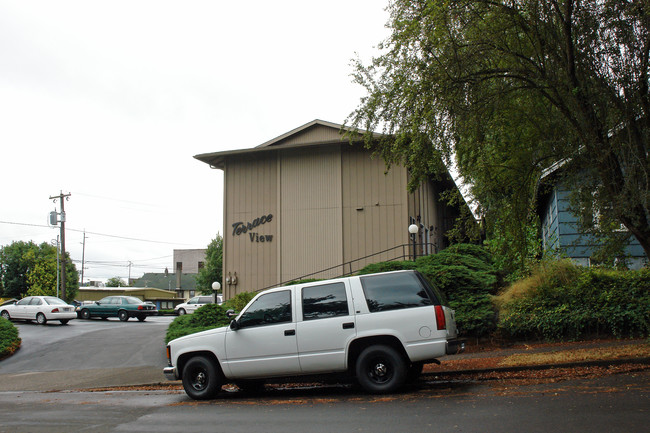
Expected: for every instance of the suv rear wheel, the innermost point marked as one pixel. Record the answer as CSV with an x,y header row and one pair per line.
x,y
380,369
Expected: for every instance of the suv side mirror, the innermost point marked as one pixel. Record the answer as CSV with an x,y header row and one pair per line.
x,y
231,313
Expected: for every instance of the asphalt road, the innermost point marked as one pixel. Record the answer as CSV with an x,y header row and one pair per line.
x,y
616,403
86,353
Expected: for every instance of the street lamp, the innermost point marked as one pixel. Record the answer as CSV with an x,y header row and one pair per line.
x,y
413,230
215,288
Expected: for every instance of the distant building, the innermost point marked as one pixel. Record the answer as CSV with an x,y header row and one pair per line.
x,y
187,264
189,261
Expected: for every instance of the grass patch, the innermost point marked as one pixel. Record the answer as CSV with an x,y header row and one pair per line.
x,y
578,355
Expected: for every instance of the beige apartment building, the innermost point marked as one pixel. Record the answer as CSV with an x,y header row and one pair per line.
x,y
308,204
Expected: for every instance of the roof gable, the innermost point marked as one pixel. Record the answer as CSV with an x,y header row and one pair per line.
x,y
314,132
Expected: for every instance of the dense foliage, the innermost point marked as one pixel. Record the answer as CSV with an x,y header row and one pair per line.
x,y
207,317
30,269
116,282
212,268
9,340
465,275
507,89
562,301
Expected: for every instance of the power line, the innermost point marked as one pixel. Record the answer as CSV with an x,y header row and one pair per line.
x,y
96,233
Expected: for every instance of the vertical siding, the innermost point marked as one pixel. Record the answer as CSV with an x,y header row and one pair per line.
x,y
250,193
375,215
311,212
550,226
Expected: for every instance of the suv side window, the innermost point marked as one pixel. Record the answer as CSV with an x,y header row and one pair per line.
x,y
268,309
326,300
394,292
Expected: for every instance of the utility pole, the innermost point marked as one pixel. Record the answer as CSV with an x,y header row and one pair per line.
x,y
83,258
62,257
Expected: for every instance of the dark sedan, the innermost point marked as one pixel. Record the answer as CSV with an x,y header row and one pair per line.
x,y
123,307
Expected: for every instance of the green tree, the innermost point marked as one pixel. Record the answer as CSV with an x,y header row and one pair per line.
x,y
212,269
13,269
506,89
30,269
116,282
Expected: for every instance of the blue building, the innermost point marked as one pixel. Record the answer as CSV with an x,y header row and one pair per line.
x,y
560,231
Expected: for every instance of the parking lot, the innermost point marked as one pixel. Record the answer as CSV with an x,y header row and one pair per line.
x,y
86,353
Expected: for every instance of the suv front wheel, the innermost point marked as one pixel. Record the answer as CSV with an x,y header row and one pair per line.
x,y
380,369
201,379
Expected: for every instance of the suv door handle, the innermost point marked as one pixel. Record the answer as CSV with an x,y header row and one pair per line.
x,y
348,325
289,332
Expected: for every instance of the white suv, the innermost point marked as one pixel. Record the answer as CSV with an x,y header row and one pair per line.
x,y
196,302
379,328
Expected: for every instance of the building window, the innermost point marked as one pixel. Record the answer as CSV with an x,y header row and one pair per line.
x,y
201,265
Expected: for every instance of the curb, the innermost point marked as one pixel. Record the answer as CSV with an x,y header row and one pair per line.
x,y
600,363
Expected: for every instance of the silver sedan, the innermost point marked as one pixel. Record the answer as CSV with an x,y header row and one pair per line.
x,y
39,308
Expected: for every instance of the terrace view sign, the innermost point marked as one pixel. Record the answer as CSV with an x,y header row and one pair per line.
x,y
240,227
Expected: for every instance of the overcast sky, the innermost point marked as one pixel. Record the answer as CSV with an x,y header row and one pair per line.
x,y
110,100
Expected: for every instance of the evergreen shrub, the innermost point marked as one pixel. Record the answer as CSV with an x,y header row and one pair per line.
x,y
9,340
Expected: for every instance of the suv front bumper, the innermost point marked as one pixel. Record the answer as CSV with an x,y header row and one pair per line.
x,y
170,373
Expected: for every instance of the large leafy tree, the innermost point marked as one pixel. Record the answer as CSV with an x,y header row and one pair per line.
x,y
116,282
30,269
506,89
212,269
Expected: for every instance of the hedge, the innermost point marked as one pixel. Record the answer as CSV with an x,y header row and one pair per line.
x,y
9,340
584,302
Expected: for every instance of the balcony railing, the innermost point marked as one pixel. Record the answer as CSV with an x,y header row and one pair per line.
x,y
399,252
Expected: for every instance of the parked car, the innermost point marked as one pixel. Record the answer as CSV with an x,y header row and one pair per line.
x,y
379,329
123,307
196,302
39,308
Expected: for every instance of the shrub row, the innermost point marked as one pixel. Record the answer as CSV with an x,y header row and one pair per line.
x,y
9,340
562,301
559,301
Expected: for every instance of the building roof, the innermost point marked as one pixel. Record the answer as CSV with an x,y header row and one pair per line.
x,y
315,133
168,282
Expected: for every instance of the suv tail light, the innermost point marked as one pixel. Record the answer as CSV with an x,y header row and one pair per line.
x,y
440,318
